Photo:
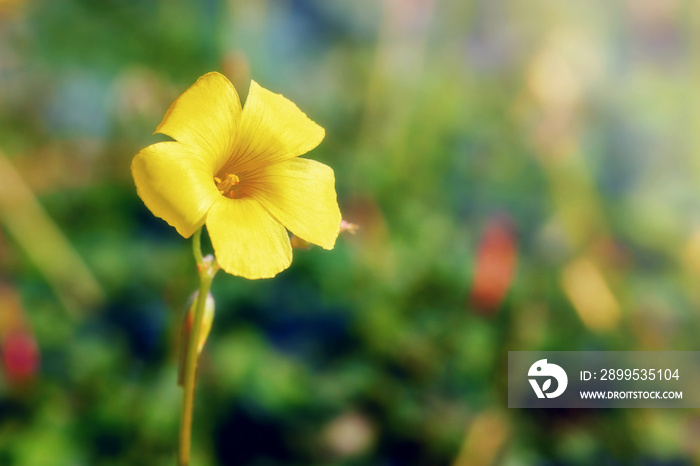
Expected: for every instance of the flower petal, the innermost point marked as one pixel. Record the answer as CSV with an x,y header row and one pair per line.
x,y
176,184
205,116
273,129
300,194
247,241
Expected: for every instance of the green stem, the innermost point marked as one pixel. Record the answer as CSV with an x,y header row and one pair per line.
x,y
197,247
207,268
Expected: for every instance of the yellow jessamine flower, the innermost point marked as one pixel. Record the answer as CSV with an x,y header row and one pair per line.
x,y
237,170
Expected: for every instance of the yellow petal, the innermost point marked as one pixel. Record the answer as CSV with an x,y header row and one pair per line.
x,y
205,116
247,241
176,184
300,194
273,129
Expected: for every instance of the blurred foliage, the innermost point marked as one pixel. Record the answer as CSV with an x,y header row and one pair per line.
x,y
523,174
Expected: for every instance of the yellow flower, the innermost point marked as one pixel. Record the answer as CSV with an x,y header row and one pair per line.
x,y
237,170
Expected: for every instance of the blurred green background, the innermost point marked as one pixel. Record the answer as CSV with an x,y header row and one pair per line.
x,y
525,176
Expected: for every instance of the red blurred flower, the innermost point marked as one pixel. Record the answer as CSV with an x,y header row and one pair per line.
x,y
20,356
495,265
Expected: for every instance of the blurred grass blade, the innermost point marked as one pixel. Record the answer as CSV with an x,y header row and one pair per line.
x,y
590,295
44,243
484,440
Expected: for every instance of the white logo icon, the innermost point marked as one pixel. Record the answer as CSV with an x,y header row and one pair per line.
x,y
542,369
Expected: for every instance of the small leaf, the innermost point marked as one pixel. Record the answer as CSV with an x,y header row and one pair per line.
x,y
546,385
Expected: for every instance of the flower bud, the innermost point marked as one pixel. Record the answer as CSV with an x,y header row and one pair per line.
x,y
346,226
187,324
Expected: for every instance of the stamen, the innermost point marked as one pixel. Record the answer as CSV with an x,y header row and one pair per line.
x,y
226,185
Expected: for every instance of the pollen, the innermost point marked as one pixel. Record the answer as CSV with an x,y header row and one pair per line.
x,y
225,185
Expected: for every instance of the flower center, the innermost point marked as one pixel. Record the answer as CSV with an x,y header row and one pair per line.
x,y
225,185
